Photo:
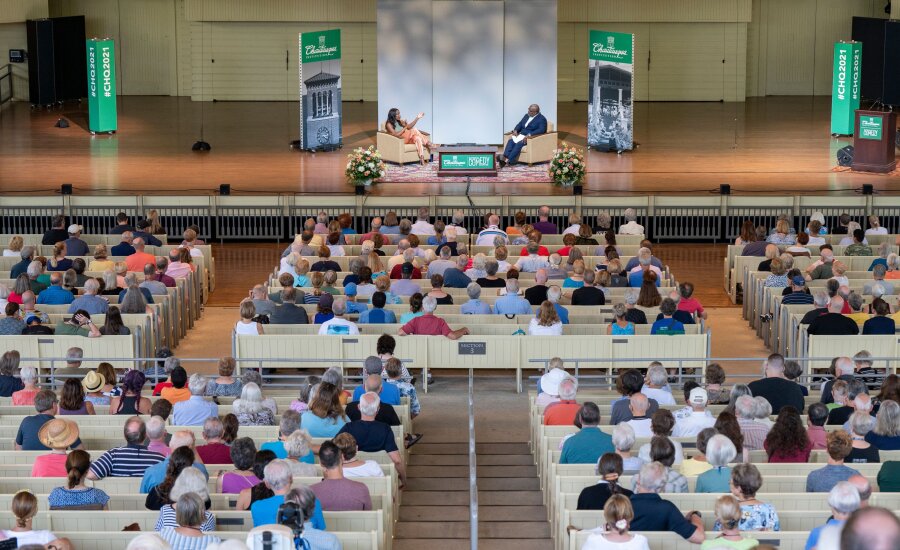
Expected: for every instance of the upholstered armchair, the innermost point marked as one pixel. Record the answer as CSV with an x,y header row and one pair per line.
x,y
393,149
539,148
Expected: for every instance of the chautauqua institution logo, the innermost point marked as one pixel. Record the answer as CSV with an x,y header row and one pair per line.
x,y
610,48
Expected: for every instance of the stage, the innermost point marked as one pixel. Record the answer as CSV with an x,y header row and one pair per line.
x,y
775,145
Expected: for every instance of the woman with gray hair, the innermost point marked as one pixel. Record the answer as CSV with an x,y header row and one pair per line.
x,y
250,410
738,390
187,533
110,283
297,446
884,250
25,396
134,302
253,376
623,441
477,271
863,452
621,326
190,480
762,410
719,452
334,375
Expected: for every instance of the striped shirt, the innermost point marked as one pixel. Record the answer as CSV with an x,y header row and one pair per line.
x,y
182,542
167,519
127,461
754,434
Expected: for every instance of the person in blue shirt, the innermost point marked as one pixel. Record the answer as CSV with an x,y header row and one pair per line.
x,y
667,325
378,315
154,475
55,294
879,324
290,423
589,443
389,393
843,500
350,292
474,306
142,232
512,303
278,478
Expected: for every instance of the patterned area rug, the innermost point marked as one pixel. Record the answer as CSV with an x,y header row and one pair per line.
x,y
416,173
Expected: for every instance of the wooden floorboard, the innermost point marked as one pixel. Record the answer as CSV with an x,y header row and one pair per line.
x,y
774,145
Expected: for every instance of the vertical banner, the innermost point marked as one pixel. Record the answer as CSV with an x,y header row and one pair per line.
x,y
320,90
845,87
610,80
101,69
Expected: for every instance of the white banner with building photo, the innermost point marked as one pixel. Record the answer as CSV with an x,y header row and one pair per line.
x,y
610,81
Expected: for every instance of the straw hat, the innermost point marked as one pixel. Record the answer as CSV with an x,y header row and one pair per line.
x,y
93,381
58,433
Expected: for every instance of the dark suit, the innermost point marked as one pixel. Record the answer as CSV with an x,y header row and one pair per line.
x,y
122,249
537,126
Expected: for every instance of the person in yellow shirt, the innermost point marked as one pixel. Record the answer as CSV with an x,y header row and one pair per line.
x,y
698,464
178,392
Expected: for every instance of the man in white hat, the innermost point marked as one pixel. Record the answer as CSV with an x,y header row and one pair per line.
x,y
548,389
74,245
698,419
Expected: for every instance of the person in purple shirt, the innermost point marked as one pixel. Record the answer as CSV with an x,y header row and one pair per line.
x,y
543,225
405,286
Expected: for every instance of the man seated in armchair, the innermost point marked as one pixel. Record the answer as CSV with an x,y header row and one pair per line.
x,y
532,124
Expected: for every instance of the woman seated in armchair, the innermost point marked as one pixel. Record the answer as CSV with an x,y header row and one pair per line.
x,y
407,131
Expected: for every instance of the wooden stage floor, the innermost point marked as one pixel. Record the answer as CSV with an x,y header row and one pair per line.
x,y
777,145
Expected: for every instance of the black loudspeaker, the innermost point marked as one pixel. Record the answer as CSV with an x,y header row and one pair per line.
x,y
224,189
845,156
724,189
41,62
868,189
870,31
69,41
65,189
891,68
57,64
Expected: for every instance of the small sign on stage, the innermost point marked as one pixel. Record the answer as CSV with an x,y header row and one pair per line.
x,y
473,348
870,127
467,160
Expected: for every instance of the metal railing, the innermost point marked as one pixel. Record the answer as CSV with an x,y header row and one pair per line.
x,y
473,470
273,216
6,83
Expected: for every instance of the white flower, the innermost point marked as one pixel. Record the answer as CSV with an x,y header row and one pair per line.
x,y
361,169
371,165
381,174
575,161
565,170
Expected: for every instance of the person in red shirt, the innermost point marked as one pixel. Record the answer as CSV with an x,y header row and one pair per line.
x,y
568,242
688,303
535,236
139,259
431,325
215,451
562,412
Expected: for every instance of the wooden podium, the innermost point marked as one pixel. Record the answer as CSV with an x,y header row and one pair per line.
x,y
873,142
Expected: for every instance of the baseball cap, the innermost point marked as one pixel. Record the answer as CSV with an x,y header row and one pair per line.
x,y
350,289
326,300
698,396
798,280
74,228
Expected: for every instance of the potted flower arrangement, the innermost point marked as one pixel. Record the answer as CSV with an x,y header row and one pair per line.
x,y
364,167
567,167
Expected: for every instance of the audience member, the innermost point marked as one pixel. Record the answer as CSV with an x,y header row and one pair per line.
x,y
720,451
755,514
661,424
590,442
132,460
652,513
775,388
787,440
839,446
335,492
372,436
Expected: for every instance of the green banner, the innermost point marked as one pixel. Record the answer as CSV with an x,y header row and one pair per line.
x,y
615,47
320,90
870,127
846,86
467,161
101,68
320,46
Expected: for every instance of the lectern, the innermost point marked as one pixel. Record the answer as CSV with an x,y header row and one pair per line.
x,y
873,144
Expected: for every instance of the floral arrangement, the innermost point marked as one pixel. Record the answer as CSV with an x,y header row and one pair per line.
x,y
567,166
364,166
